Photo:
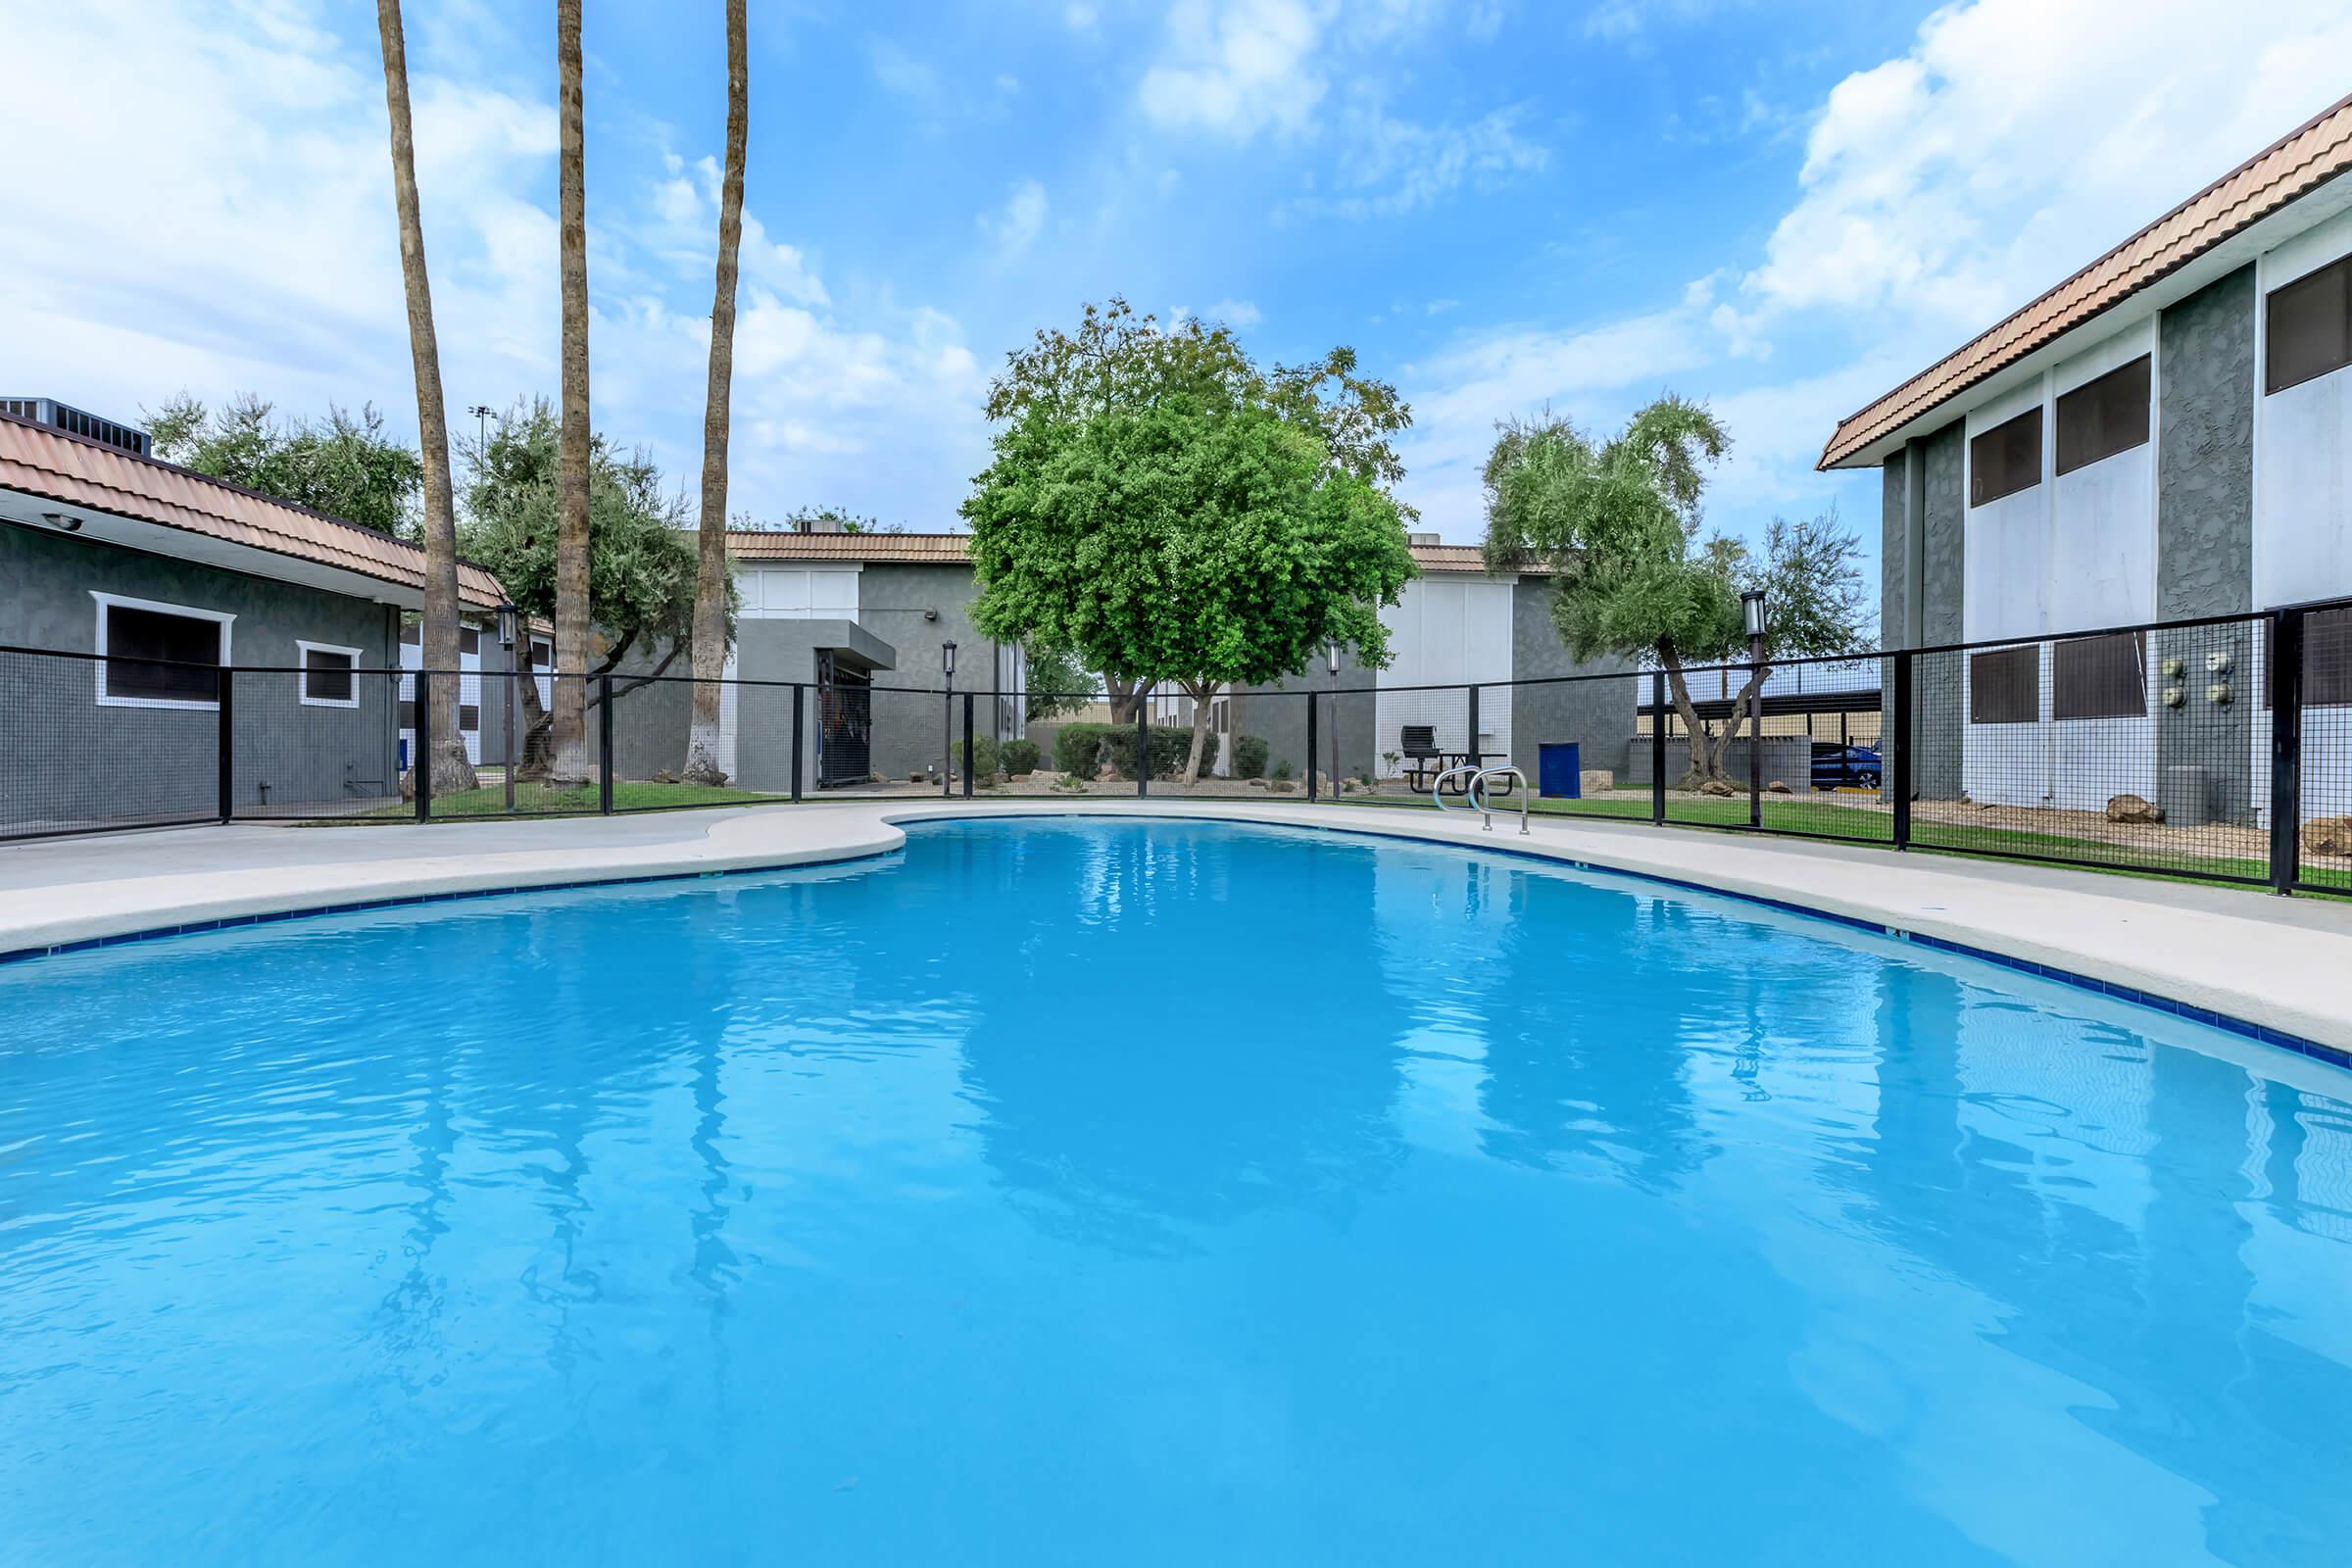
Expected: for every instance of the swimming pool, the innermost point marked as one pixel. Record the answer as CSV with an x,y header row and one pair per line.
x,y
1079,1190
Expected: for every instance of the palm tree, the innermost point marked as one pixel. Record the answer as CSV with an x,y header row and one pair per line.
x,y
449,772
571,768
710,579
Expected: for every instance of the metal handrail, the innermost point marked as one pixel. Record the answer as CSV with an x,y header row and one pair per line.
x,y
1478,796
1436,788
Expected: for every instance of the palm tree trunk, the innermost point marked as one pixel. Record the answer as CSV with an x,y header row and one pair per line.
x,y
439,645
711,575
572,767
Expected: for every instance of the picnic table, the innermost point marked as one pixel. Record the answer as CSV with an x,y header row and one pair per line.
x,y
1425,761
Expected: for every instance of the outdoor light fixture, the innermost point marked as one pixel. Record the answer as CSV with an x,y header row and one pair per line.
x,y
1331,657
1751,604
64,521
506,623
947,656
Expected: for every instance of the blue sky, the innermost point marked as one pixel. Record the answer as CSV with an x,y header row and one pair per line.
x,y
1782,208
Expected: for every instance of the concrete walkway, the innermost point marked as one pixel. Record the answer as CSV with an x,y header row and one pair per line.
x,y
2281,963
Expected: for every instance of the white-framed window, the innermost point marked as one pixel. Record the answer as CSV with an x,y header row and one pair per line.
x,y
153,654
329,679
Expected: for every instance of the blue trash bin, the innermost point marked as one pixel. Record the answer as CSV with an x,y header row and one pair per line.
x,y
1559,771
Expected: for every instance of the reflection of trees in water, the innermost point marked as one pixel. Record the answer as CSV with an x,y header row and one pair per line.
x,y
2044,1159
1167,1068
1593,1008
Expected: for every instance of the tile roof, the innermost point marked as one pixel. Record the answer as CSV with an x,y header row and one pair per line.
x,y
952,548
54,466
2292,167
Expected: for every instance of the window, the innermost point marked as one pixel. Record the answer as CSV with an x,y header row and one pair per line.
x,y
408,714
470,639
2327,657
2005,459
327,675
2308,328
2101,418
2004,686
2100,677
412,635
158,656
470,718
543,654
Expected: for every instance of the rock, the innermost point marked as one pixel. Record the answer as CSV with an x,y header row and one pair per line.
x,y
2328,835
1778,786
1282,786
1717,787
1257,783
662,775
2132,809
1597,781
408,785
1106,773
915,775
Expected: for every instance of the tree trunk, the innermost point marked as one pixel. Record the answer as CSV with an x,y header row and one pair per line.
x,y
1123,695
571,768
711,575
1200,692
1708,751
438,643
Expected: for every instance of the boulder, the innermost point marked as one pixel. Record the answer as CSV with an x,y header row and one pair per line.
x,y
1717,787
1257,783
1597,781
1282,786
2132,809
2328,835
1778,787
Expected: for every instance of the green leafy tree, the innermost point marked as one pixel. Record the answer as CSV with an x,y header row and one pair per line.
x,y
1617,524
642,557
1058,683
343,464
1311,448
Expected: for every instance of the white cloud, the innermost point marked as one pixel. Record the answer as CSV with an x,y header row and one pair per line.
x,y
1389,166
1235,68
900,72
1234,312
1015,226
248,243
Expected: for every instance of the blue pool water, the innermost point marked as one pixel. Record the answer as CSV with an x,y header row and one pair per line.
x,y
1076,1192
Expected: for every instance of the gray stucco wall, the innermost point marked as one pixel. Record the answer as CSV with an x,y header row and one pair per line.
x,y
1277,713
909,728
1936,684
1895,551
1596,714
86,763
2205,538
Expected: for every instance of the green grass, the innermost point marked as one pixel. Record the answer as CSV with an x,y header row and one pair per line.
x,y
628,795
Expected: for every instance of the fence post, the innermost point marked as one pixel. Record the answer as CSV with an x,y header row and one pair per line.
x,y
1143,738
967,746
797,691
2287,749
1894,758
604,744
1310,746
225,685
1755,734
1470,741
1657,747
421,767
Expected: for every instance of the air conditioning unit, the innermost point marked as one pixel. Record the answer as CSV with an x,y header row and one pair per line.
x,y
77,421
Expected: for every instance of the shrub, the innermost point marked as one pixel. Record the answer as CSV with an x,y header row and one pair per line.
x,y
1077,748
1282,770
983,761
1018,756
1249,757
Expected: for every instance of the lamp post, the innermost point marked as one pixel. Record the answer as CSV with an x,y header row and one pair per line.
x,y
506,616
1331,662
1751,609
481,413
946,720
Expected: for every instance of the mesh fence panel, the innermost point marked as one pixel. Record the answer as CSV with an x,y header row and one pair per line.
x,y
315,744
90,744
2326,827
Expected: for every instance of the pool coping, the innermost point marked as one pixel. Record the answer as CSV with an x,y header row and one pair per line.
x,y
109,912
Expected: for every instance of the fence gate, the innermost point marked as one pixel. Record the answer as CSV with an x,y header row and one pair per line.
x,y
844,730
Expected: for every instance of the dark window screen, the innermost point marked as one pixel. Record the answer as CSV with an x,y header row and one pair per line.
x,y
412,635
2308,328
2004,687
2328,659
2101,418
469,640
326,677
2005,459
136,636
469,717
408,714
2100,677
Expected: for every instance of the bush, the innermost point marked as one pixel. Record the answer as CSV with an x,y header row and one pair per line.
x,y
1076,748
1249,757
982,763
1018,756
1282,770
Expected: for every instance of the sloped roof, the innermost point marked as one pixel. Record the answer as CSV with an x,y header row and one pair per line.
x,y
2291,166
954,548
54,466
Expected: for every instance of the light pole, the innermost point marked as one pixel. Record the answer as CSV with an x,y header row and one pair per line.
x,y
507,614
1751,608
481,413
946,720
1331,662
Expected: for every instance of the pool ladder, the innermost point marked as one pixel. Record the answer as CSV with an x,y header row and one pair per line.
x,y
1476,794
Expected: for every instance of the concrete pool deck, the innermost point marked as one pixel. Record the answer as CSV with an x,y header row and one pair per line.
x,y
2282,964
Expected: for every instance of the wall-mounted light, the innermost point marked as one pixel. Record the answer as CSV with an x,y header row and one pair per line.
x,y
930,615
1331,657
947,656
506,614
64,521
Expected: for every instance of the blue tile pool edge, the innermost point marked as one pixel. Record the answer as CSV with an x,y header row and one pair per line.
x,y
2301,1046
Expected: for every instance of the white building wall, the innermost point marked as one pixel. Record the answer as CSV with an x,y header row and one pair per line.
x,y
1444,630
798,593
2075,552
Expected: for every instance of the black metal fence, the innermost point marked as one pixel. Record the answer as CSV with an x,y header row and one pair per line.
x,y
2218,748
